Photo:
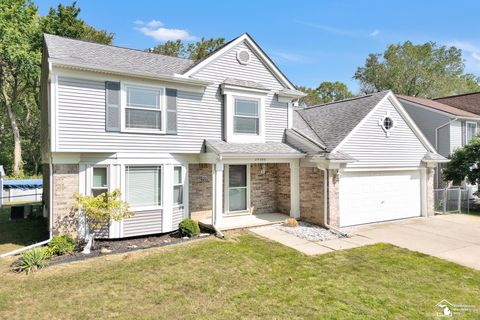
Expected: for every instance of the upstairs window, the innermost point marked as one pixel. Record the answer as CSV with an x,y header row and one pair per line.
x,y
143,108
246,116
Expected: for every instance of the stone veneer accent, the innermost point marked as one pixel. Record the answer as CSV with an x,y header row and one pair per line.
x,y
65,184
430,192
200,191
311,195
333,198
270,188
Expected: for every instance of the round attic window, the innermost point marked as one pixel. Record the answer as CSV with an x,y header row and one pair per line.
x,y
243,56
387,123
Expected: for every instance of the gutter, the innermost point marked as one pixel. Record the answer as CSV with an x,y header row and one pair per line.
x,y
50,218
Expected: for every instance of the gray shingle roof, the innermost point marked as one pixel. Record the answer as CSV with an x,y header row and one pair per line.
x,y
434,157
269,148
94,55
291,92
244,83
332,122
302,127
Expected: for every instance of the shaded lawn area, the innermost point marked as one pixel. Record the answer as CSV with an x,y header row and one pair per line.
x,y
243,277
19,233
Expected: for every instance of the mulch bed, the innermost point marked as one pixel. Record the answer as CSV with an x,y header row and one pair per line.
x,y
116,246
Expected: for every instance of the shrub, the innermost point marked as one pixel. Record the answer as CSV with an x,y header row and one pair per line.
x,y
290,222
32,260
189,228
60,245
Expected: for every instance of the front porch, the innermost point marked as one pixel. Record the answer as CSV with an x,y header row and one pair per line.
x,y
247,221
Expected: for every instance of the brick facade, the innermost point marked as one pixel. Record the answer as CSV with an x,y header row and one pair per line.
x,y
333,198
200,191
65,184
311,195
270,188
283,190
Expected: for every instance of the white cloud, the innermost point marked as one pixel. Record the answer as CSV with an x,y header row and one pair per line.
x,y
375,33
287,56
155,30
470,52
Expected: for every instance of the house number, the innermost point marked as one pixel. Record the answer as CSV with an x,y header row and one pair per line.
x,y
260,159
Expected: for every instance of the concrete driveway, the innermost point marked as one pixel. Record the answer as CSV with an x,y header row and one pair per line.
x,y
454,237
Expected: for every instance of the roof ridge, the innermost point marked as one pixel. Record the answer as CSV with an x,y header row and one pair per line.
x,y
115,46
316,134
418,100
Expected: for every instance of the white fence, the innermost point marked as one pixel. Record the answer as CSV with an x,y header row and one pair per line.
x,y
451,200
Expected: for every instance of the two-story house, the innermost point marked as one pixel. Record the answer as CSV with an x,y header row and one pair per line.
x,y
445,126
218,140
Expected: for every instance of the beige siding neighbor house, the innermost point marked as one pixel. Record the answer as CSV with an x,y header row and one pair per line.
x,y
218,140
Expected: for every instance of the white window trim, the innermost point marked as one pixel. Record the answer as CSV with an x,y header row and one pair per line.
x,y
123,105
183,174
466,130
162,187
230,136
226,210
91,179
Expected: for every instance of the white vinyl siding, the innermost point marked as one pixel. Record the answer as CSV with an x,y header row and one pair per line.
x,y
370,145
143,223
276,113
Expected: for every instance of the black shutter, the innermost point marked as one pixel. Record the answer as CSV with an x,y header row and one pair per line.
x,y
171,111
112,106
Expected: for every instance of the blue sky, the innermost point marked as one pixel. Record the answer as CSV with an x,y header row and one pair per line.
x,y
311,41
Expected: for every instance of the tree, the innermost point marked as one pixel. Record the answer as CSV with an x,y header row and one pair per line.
x,y
325,93
426,70
100,211
333,91
193,51
464,162
65,22
19,65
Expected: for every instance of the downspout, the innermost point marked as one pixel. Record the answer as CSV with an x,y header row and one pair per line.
x,y
50,218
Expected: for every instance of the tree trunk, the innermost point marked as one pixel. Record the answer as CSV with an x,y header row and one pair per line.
x,y
17,147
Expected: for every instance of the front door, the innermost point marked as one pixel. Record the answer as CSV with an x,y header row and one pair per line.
x,y
237,188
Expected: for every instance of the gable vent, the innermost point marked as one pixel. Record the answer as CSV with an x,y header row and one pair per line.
x,y
243,56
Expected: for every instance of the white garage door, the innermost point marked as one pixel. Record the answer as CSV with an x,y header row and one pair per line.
x,y
375,196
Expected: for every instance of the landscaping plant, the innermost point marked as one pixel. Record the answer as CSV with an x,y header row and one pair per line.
x,y
61,245
189,228
32,260
100,211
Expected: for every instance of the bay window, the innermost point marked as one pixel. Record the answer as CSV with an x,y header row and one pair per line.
x,y
144,186
99,181
143,108
177,185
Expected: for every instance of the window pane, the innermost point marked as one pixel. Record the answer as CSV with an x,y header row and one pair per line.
x,y
177,175
471,131
97,192
99,177
178,194
246,107
143,186
237,199
245,125
237,176
144,98
143,119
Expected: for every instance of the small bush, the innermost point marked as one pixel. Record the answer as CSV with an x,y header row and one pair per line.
x,y
189,228
61,245
290,222
32,260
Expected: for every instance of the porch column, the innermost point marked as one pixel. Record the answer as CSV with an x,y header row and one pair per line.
x,y
217,194
295,189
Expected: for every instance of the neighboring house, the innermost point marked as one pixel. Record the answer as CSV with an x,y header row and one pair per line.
x,y
208,140
469,102
446,127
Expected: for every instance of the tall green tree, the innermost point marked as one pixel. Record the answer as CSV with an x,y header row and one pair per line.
x,y
326,92
426,70
464,163
194,51
19,66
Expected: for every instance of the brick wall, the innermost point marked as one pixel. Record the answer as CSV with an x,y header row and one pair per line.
x,y
311,195
264,185
200,191
65,184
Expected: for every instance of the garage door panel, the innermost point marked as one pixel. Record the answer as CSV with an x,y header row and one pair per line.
x,y
375,196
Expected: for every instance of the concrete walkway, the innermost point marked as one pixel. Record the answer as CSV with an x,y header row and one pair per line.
x,y
454,237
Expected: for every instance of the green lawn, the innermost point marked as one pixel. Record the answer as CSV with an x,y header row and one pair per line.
x,y
242,277
18,233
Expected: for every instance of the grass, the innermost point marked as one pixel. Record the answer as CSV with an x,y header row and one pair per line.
x,y
244,277
18,233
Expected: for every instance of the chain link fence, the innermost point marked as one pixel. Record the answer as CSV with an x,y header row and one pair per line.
x,y
452,200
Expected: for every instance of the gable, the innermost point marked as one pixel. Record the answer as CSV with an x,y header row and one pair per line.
x,y
371,146
227,66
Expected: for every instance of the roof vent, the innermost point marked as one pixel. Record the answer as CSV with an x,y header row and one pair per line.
x,y
243,56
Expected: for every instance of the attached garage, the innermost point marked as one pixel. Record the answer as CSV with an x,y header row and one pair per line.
x,y
378,165
375,196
